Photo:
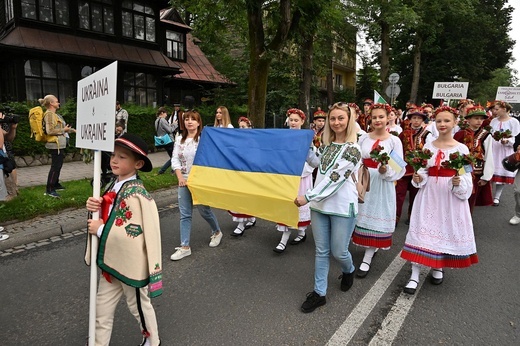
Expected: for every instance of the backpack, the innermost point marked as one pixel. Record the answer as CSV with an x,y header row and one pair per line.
x,y
38,126
362,182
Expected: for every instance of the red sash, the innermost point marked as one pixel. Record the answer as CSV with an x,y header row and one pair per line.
x,y
370,163
441,172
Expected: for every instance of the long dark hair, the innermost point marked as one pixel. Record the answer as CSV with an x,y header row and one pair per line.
x,y
193,114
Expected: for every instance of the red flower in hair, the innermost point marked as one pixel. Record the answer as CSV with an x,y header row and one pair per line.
x,y
384,106
446,109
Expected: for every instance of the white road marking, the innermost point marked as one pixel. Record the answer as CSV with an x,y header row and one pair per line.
x,y
353,322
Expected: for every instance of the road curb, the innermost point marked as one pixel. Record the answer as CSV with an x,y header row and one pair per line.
x,y
32,231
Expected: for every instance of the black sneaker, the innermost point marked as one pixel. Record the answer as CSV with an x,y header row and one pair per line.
x,y
313,301
52,194
347,280
59,187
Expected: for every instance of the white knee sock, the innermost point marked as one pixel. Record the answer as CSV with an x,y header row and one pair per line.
x,y
437,273
367,259
240,226
285,237
498,190
416,270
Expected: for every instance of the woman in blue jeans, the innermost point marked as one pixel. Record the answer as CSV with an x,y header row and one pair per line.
x,y
182,161
333,200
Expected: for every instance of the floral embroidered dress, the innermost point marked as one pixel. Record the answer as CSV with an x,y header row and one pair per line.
x,y
500,151
334,192
441,229
377,216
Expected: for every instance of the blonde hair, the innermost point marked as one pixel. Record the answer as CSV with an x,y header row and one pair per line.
x,y
226,119
46,101
351,131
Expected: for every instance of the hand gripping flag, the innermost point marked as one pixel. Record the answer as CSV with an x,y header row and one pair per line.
x,y
251,171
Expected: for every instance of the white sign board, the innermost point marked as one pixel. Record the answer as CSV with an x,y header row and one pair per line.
x,y
450,90
508,94
95,119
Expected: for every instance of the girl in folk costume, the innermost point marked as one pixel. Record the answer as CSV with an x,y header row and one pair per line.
x,y
479,143
414,137
222,118
333,201
441,230
244,221
376,217
505,129
129,252
392,126
296,118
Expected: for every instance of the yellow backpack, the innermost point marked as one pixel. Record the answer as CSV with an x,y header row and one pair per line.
x,y
38,126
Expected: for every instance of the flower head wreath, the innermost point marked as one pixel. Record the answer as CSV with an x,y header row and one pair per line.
x,y
296,111
446,109
384,106
246,120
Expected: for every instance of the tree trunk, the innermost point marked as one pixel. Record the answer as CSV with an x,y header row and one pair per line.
x,y
385,55
416,69
257,90
306,82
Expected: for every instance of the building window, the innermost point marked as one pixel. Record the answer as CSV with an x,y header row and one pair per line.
x,y
339,81
45,77
140,89
52,11
175,45
138,20
9,10
96,16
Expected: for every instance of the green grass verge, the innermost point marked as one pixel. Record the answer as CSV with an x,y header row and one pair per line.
x,y
31,201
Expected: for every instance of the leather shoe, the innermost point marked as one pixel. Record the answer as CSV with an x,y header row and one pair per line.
x,y
410,290
279,248
363,273
299,239
347,280
436,281
238,232
250,224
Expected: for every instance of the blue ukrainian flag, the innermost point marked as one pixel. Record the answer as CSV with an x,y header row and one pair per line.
x,y
251,171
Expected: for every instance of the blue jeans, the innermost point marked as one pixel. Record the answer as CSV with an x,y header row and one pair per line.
x,y
186,211
331,234
168,163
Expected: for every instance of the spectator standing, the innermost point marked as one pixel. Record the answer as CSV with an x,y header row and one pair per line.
x,y
55,126
9,133
222,118
175,119
162,128
122,116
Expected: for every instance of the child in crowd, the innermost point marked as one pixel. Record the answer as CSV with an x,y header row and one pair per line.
x,y
392,123
182,160
479,143
503,147
296,118
441,228
129,252
244,221
377,216
414,136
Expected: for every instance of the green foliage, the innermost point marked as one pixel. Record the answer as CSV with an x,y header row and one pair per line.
x,y
31,201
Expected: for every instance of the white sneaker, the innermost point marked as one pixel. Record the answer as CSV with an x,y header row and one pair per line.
x,y
215,239
1,228
180,253
515,220
4,236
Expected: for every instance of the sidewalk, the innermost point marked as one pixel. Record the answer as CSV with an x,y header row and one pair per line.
x,y
28,233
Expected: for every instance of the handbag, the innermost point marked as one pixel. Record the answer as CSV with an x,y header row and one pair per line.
x,y
161,140
362,182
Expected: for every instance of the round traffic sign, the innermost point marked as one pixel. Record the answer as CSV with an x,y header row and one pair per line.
x,y
393,78
392,90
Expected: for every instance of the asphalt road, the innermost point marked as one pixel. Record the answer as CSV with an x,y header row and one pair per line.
x,y
242,293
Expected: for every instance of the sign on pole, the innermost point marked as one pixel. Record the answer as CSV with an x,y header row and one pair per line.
x,y
95,123
393,78
450,90
508,94
95,129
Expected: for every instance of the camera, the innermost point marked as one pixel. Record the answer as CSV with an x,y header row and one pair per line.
x,y
9,118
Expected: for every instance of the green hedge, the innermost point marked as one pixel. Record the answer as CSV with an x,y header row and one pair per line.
x,y
141,122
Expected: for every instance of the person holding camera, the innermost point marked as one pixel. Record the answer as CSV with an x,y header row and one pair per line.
x,y
55,126
9,123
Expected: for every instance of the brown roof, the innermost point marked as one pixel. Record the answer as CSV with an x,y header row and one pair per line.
x,y
29,38
197,67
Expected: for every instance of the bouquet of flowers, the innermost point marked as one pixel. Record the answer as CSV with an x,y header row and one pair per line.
x,y
377,154
418,158
457,161
498,135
